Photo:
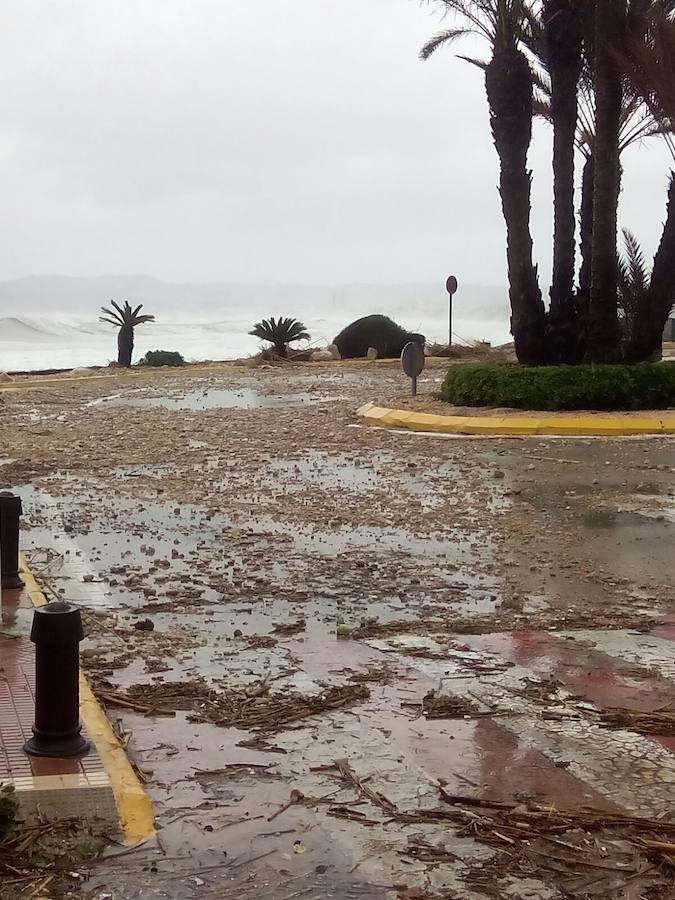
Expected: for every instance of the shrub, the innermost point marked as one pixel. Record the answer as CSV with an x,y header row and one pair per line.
x,y
643,386
162,358
379,332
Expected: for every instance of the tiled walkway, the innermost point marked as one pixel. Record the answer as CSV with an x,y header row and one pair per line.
x,y
53,787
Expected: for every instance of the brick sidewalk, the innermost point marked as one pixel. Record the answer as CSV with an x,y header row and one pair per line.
x,y
55,788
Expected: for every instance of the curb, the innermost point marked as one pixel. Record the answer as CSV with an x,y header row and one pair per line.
x,y
133,804
500,426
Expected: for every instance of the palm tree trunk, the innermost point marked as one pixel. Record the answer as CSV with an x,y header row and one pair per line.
x,y
562,286
509,88
586,233
564,317
281,350
603,322
563,48
653,312
125,345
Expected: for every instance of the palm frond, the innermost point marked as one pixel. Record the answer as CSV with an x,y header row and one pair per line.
x,y
635,260
542,109
124,316
111,315
648,63
479,63
632,283
121,310
440,39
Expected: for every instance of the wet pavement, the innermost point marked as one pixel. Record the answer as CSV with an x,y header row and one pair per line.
x,y
259,550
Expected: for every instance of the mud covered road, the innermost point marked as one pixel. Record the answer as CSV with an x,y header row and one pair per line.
x,y
356,663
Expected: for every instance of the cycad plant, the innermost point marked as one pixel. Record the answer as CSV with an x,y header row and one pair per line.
x,y
280,333
126,319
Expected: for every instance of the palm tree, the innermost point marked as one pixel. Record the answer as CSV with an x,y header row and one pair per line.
x,y
126,319
648,61
569,314
509,85
280,333
603,323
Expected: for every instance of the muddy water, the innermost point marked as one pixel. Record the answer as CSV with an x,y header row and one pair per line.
x,y
196,401
246,547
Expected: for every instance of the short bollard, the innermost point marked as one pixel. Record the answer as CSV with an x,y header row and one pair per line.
x,y
10,512
56,633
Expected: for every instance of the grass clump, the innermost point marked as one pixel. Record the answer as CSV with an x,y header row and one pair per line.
x,y
162,358
9,807
618,387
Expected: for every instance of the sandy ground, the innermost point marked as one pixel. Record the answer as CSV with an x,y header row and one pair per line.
x,y
444,613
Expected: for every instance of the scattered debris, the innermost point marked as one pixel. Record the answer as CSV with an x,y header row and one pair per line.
x,y
443,706
656,723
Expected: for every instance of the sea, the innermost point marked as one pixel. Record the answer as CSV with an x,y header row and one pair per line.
x,y
51,322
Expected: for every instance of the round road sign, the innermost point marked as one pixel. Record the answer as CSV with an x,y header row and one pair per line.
x,y
451,285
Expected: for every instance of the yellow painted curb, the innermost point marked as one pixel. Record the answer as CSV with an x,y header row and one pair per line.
x,y
133,804
513,425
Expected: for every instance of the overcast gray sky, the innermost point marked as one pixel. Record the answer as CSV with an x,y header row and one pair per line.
x,y
270,141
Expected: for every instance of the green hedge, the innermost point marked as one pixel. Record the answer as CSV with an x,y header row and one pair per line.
x,y
162,358
643,386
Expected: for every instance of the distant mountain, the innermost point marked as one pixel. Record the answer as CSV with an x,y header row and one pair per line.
x,y
59,295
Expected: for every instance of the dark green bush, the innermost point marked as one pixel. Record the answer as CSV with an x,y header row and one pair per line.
x,y
643,386
162,358
379,332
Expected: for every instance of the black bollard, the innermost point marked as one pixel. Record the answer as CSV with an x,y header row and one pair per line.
x,y
56,633
10,512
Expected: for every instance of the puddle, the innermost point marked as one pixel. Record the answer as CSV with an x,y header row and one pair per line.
x,y
604,518
216,398
663,508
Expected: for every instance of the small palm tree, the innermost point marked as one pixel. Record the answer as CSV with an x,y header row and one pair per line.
x,y
126,319
280,333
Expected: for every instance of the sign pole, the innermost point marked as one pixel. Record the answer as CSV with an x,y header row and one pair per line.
x,y
412,363
449,320
451,288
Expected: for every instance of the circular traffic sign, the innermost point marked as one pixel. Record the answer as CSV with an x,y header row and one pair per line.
x,y
451,285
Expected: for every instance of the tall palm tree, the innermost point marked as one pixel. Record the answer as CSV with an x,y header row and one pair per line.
x,y
509,85
126,319
280,333
603,323
636,123
648,61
